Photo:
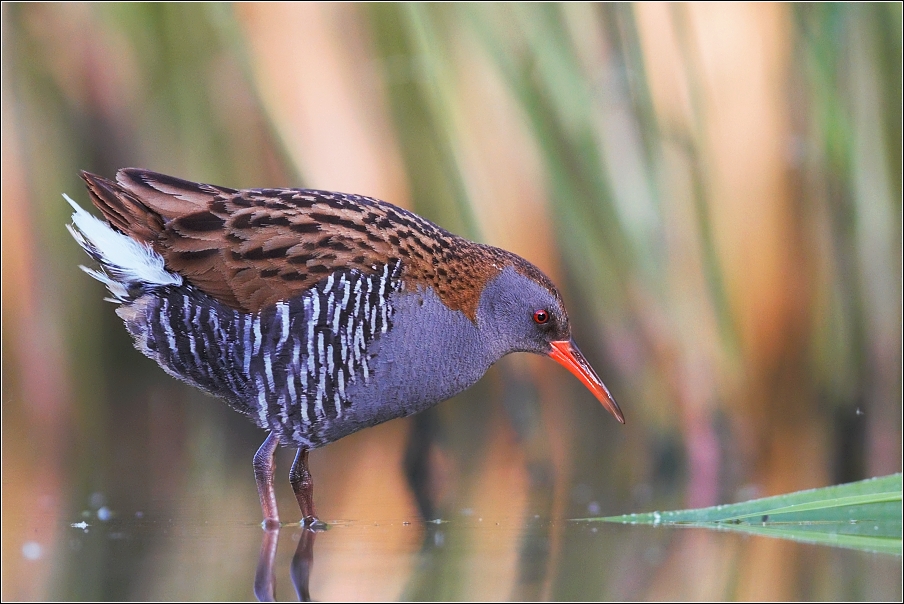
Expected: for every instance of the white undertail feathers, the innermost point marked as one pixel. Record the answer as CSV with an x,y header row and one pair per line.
x,y
127,265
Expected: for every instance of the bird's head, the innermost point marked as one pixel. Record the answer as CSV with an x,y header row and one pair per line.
x,y
521,310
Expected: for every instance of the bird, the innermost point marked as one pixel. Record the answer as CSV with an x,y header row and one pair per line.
x,y
313,313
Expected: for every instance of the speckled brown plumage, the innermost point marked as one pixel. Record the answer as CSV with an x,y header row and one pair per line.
x,y
254,247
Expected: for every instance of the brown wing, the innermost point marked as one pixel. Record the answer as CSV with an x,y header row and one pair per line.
x,y
254,247
247,248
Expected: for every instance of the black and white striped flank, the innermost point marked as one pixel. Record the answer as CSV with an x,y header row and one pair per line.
x,y
287,367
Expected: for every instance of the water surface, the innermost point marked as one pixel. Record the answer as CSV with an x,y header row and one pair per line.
x,y
124,554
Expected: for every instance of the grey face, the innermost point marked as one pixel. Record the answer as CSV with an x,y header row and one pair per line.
x,y
517,314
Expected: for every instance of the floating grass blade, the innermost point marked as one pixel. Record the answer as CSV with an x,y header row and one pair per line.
x,y
862,515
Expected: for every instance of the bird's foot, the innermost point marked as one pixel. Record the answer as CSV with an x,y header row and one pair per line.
x,y
311,523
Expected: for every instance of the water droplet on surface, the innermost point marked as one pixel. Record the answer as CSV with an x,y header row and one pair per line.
x,y
97,500
31,550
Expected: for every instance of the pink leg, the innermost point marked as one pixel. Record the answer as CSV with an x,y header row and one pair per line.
x,y
263,474
303,485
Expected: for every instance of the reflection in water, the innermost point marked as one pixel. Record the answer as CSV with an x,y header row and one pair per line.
x,y
302,563
265,576
430,578
476,557
440,560
533,561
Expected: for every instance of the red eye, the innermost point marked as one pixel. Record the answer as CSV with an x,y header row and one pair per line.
x,y
541,317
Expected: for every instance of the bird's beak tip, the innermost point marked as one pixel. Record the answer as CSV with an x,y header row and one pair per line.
x,y
566,353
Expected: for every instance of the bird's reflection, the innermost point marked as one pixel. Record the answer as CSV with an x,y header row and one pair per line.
x,y
521,401
302,562
430,576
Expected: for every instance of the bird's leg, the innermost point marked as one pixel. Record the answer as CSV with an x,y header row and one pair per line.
x,y
263,474
303,485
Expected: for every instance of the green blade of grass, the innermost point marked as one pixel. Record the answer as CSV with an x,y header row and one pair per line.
x,y
861,515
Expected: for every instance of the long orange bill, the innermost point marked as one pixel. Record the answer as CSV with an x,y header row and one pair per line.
x,y
568,355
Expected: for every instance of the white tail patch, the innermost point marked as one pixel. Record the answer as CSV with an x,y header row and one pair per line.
x,y
125,262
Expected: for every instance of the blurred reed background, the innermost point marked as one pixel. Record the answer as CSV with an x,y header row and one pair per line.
x,y
716,189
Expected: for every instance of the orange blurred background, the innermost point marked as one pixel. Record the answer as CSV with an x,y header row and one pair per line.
x,y
716,188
